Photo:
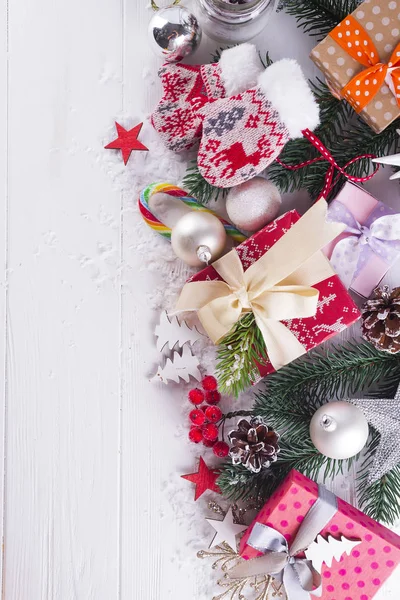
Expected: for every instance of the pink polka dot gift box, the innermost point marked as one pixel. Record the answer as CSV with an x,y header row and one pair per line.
x,y
360,59
313,542
369,245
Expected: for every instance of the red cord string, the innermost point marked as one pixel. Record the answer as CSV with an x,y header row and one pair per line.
x,y
326,155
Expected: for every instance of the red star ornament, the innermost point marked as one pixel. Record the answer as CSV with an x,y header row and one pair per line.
x,y
127,141
204,479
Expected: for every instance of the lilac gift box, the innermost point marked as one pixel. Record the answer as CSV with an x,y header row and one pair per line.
x,y
370,244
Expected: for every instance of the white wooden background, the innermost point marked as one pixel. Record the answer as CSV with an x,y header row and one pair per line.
x,y
92,505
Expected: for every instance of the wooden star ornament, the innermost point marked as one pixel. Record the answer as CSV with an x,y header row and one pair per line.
x,y
127,141
226,530
204,479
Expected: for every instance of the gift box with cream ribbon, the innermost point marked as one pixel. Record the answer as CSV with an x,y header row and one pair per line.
x,y
280,275
360,59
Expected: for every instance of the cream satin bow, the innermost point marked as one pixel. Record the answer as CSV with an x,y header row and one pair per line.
x,y
276,287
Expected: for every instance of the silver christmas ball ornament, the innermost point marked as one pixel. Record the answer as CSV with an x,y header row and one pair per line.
x,y
198,238
339,430
253,204
174,33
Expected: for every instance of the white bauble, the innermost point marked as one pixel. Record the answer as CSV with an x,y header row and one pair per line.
x,y
198,238
339,430
253,204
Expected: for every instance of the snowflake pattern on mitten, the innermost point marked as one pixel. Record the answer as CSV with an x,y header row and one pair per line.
x,y
242,135
188,87
176,118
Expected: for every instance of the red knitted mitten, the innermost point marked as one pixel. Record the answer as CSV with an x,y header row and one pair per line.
x,y
245,133
188,87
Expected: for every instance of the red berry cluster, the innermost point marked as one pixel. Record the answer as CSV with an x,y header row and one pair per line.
x,y
204,418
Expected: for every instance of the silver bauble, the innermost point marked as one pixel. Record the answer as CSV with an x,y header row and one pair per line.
x,y
174,33
198,237
339,430
253,204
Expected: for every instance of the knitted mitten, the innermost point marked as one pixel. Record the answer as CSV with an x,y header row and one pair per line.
x,y
188,87
245,133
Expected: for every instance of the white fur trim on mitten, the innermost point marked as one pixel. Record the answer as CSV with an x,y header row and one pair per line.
x,y
285,86
240,67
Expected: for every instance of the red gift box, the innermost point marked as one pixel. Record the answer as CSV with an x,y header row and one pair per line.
x,y
358,576
336,310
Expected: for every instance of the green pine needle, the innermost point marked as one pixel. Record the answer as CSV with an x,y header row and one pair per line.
x,y
291,397
319,17
238,354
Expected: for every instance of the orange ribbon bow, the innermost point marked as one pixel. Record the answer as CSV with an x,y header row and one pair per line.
x,y
352,37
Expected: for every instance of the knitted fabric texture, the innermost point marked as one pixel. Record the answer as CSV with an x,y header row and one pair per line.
x,y
186,88
242,135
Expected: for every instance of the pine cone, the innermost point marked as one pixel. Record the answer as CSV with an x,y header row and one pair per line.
x,y
381,320
254,444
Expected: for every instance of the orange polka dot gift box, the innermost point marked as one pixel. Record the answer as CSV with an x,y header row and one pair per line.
x,y
313,542
360,59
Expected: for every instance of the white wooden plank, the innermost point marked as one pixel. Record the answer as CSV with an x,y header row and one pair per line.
x,y
61,535
3,250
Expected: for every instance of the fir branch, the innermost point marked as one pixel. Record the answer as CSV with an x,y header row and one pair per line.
x,y
319,17
381,500
198,187
338,372
238,354
292,396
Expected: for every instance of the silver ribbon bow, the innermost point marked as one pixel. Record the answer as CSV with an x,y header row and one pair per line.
x,y
280,560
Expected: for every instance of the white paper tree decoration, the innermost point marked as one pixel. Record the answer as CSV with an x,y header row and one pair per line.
x,y
324,551
170,332
180,367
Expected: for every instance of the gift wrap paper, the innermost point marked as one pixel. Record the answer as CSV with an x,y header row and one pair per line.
x,y
366,209
381,20
355,577
336,310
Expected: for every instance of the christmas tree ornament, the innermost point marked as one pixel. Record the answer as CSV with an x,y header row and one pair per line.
x,y
339,430
381,320
253,444
182,366
253,204
245,133
127,141
325,550
226,530
170,332
174,32
384,416
162,205
198,238
188,87
204,479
